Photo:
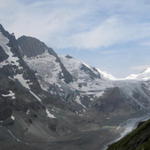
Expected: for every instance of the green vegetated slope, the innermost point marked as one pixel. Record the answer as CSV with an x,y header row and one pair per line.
x,y
138,139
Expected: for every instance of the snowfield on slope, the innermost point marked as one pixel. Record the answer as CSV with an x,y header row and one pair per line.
x,y
82,79
11,58
145,75
46,67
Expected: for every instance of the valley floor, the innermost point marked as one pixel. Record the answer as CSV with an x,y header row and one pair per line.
x,y
92,140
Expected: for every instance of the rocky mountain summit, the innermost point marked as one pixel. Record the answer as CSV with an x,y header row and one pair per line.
x,y
86,84
26,115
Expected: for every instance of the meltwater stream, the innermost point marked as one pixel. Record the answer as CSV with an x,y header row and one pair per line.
x,y
127,126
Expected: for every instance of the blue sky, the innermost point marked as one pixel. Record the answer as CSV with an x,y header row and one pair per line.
x,y
113,35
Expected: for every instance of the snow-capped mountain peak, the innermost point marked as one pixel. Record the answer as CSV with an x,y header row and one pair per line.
x,y
147,70
79,69
145,75
87,83
106,75
75,102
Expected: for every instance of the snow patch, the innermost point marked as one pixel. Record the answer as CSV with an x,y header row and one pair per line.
x,y
35,96
82,80
49,115
10,94
12,117
106,75
24,82
145,75
79,101
46,67
28,112
11,59
100,94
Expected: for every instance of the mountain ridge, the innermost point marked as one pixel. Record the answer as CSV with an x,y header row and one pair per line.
x,y
61,101
51,51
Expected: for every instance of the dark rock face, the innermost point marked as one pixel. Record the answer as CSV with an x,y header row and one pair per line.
x,y
5,112
111,101
68,56
114,100
91,73
140,124
32,47
3,55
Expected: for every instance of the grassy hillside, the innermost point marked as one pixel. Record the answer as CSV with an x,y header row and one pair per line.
x,y
139,139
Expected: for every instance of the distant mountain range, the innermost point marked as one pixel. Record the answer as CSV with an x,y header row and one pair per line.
x,y
57,102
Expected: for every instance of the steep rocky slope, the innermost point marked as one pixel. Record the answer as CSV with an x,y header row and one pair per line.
x,y
57,102
88,85
99,98
32,118
28,115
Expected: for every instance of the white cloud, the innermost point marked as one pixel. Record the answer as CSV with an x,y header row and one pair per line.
x,y
50,23
76,23
112,31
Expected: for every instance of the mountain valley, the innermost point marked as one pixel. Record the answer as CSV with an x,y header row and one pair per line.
x,y
52,102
